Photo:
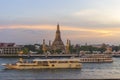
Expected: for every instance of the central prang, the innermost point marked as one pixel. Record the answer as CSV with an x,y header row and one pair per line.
x,y
58,43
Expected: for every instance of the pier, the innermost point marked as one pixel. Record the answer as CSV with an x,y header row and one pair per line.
x,y
88,58
39,55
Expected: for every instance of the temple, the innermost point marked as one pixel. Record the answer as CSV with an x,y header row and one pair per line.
x,y
58,43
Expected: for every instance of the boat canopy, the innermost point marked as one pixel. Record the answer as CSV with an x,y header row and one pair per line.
x,y
56,60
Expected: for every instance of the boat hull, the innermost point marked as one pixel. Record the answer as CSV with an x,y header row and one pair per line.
x,y
44,67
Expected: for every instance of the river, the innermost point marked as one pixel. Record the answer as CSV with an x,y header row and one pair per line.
x,y
88,71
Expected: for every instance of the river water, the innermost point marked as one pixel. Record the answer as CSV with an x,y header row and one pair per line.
x,y
88,71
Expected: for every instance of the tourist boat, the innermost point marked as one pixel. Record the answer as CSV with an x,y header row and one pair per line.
x,y
96,58
45,64
92,60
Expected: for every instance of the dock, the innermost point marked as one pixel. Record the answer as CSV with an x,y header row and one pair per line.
x,y
88,58
39,55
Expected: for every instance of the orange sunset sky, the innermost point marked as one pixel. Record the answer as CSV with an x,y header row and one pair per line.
x,y
81,21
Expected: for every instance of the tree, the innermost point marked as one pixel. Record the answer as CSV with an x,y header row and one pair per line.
x,y
72,49
25,51
30,47
58,50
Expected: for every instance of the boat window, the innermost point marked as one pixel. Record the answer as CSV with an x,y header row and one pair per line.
x,y
39,62
45,64
34,61
53,61
53,65
62,61
45,61
74,61
30,61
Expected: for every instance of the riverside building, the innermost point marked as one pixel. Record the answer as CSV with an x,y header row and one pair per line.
x,y
9,48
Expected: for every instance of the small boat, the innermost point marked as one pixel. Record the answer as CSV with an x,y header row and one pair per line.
x,y
45,64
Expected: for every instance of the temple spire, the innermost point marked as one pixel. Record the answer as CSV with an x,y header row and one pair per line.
x,y
57,43
58,29
44,46
49,43
68,46
58,35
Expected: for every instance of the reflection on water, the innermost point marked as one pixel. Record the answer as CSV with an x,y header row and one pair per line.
x,y
88,71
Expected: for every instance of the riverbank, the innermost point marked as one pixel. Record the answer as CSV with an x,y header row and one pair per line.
x,y
101,58
39,55
57,55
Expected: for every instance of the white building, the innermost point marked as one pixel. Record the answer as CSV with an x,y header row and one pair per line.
x,y
9,48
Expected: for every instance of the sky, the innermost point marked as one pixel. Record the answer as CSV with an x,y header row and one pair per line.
x,y
81,21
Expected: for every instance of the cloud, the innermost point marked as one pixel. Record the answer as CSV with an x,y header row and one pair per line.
x,y
98,32
85,17
32,27
103,32
99,16
36,33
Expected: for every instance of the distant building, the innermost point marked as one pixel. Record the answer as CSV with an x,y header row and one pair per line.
x,y
9,48
7,44
58,43
100,45
108,50
68,46
44,48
